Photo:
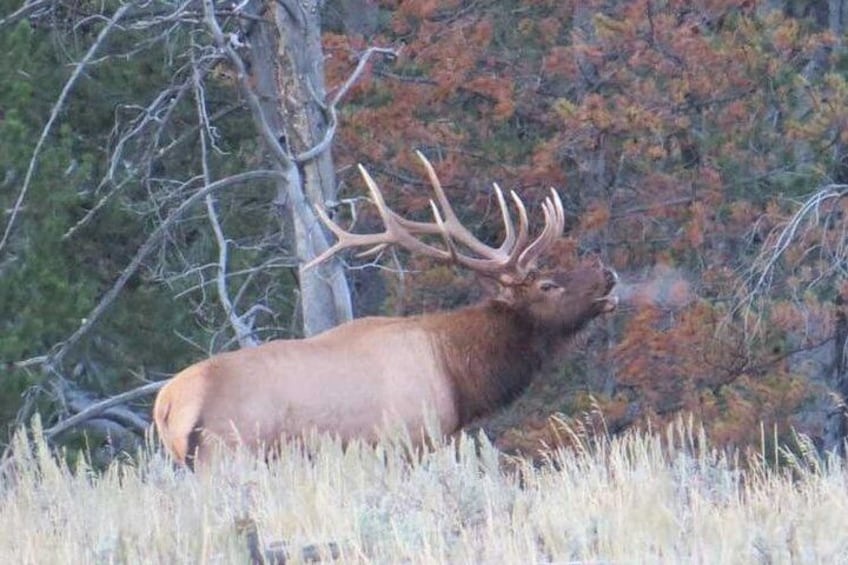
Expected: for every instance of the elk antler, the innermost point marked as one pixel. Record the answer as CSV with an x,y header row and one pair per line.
x,y
515,256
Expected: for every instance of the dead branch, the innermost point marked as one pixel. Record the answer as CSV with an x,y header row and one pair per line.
x,y
360,67
330,109
243,331
105,417
92,410
808,217
147,247
25,11
78,400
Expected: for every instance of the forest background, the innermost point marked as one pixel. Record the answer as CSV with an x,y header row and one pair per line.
x,y
149,218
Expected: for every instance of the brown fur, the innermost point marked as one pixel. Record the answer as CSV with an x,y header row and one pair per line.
x,y
370,373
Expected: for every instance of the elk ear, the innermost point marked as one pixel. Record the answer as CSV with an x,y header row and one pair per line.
x,y
503,281
503,287
491,286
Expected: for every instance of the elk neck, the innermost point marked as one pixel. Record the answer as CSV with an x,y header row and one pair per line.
x,y
490,352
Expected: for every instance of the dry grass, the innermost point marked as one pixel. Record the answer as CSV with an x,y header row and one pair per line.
x,y
660,498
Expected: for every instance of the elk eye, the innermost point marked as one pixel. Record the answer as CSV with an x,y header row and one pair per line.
x,y
547,286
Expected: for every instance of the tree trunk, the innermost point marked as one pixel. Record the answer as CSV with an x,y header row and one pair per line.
x,y
835,434
836,21
287,71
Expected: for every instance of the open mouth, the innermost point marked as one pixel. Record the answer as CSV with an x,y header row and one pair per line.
x,y
609,302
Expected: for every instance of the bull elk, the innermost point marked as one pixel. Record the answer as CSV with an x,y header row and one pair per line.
x,y
355,379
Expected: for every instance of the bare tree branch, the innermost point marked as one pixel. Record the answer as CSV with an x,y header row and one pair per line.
x,y
123,421
54,113
36,361
78,400
244,333
808,217
93,211
360,68
156,116
330,109
148,246
809,211
24,11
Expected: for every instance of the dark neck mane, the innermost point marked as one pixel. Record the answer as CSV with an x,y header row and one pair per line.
x,y
491,354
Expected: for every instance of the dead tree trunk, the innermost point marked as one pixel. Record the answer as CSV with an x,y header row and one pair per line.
x,y
838,419
286,72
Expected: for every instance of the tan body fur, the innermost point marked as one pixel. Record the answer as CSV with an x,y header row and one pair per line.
x,y
287,387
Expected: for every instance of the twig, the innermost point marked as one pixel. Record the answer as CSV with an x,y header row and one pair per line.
x,y
683,201
93,211
38,360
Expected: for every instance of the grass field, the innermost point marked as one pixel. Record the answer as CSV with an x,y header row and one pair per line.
x,y
651,498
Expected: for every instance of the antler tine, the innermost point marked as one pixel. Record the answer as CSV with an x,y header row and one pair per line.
x,y
394,233
560,212
523,224
396,230
443,230
459,232
339,233
554,224
509,227
489,266
505,257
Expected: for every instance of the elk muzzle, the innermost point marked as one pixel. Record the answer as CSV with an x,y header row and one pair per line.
x,y
609,301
